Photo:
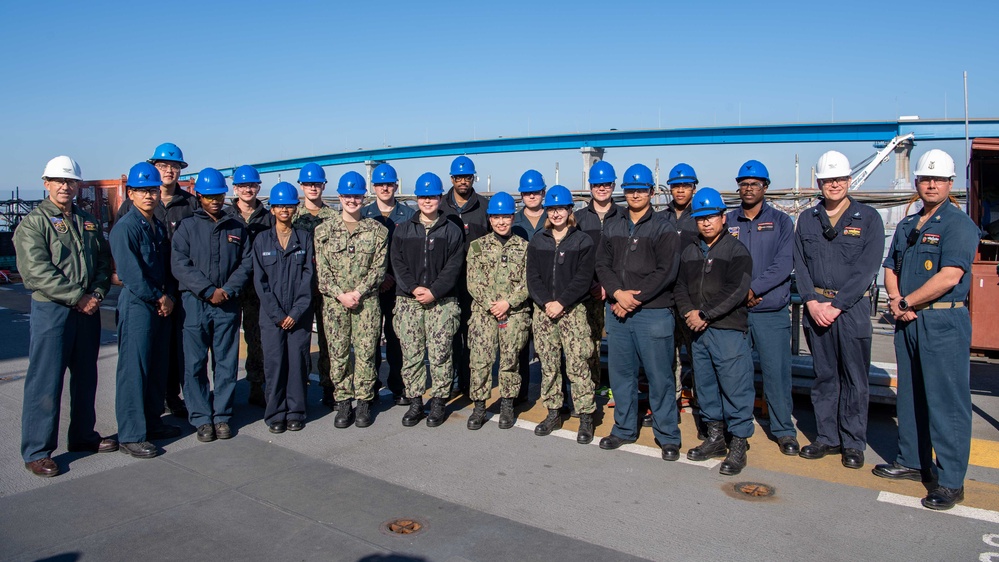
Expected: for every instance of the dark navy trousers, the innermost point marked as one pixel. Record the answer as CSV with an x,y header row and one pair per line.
x,y
143,361
644,338
934,393
215,328
286,368
60,338
771,337
393,349
723,375
841,359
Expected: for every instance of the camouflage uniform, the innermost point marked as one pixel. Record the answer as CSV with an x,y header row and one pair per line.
x,y
569,335
307,221
351,261
496,271
432,328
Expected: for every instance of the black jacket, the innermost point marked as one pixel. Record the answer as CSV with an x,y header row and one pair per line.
x,y
644,257
561,273
717,283
181,206
471,219
685,226
209,255
433,259
589,221
260,220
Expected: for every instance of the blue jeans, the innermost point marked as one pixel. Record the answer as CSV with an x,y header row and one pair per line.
x,y
771,336
644,337
723,373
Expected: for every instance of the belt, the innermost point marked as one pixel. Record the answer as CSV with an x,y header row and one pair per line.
x,y
938,305
831,294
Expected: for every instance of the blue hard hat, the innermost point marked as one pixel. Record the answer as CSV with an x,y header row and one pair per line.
x,y
637,176
168,152
143,176
245,174
682,173
384,173
558,196
462,166
753,169
501,204
312,173
428,185
532,181
210,182
602,172
283,193
351,183
707,201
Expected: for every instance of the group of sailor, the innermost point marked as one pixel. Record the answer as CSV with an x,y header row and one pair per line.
x,y
468,281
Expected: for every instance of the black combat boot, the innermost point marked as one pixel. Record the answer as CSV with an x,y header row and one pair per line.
x,y
478,416
585,433
507,417
736,459
713,445
550,424
257,396
328,400
362,414
436,416
415,412
344,415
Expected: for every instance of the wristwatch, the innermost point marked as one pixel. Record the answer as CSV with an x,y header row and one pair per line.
x,y
98,296
903,304
701,315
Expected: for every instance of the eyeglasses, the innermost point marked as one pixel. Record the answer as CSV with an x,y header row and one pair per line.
x,y
533,194
681,186
463,177
284,207
216,197
557,210
146,192
249,186
839,180
64,181
751,185
936,180
167,165
608,185
352,197
708,218
313,185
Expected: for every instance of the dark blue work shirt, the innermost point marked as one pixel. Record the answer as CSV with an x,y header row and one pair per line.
x,y
848,263
400,213
282,277
522,226
209,254
141,251
770,240
948,239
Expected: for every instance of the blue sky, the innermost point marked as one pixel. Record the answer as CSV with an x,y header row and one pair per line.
x,y
233,83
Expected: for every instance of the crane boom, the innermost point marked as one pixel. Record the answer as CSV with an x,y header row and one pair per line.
x,y
881,157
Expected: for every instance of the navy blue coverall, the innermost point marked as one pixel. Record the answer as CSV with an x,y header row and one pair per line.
x,y
210,254
769,237
393,349
934,368
283,281
840,271
141,253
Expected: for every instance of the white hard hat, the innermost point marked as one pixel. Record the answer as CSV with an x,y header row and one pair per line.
x,y
832,164
935,163
62,167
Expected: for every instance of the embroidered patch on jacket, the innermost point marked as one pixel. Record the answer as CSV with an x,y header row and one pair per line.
x,y
59,225
233,239
89,226
734,231
932,239
764,226
852,231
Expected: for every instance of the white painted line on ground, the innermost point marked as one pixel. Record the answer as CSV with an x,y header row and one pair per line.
x,y
2,308
6,289
884,365
959,510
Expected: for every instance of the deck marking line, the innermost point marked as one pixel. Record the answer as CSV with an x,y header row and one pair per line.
x,y
959,510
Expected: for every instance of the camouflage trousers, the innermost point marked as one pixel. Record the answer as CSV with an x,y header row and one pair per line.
x,y
595,321
426,328
569,335
485,337
359,329
319,304
251,335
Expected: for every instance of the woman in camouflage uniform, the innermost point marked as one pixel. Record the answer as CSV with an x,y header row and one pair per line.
x,y
501,316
